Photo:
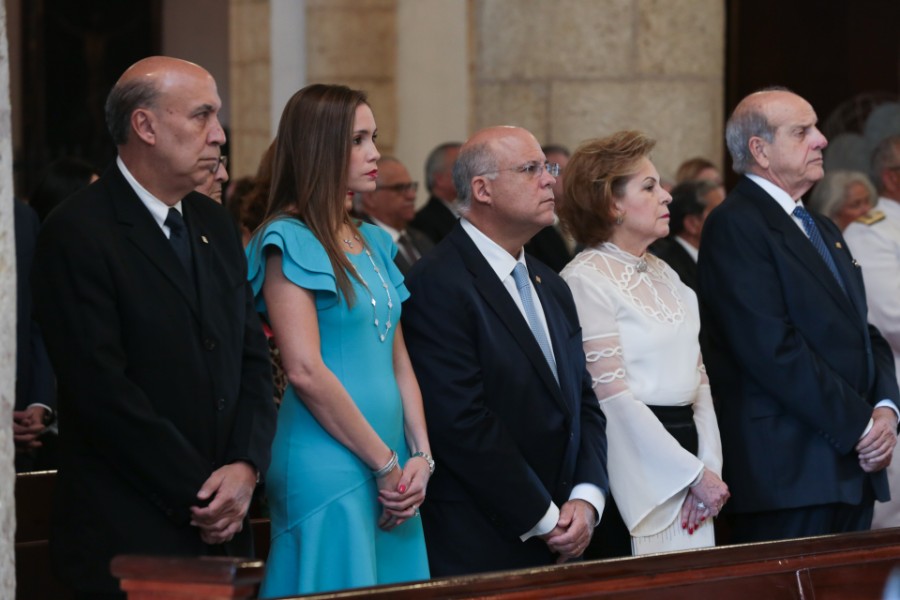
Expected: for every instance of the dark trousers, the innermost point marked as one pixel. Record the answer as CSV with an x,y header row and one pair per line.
x,y
801,522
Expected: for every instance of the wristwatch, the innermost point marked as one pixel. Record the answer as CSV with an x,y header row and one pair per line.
x,y
427,458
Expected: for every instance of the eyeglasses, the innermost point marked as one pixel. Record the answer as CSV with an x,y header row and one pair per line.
x,y
222,160
400,188
533,169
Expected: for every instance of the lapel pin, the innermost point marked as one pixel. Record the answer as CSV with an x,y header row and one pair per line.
x,y
203,239
838,245
537,278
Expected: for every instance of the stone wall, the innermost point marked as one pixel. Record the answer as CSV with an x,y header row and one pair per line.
x,y
569,70
250,84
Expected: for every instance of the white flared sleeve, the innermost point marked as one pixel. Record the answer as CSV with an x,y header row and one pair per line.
x,y
649,471
709,447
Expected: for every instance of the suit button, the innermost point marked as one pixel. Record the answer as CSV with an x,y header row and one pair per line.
x,y
209,344
221,404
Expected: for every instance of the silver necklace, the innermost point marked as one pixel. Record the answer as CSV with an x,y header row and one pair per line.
x,y
349,242
390,302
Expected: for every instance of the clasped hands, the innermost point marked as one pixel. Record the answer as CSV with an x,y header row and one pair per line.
x,y
230,489
876,448
704,500
28,425
401,492
572,533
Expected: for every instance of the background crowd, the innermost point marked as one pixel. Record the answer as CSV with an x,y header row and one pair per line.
x,y
559,356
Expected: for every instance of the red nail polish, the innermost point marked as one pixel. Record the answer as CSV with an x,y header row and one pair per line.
x,y
684,524
402,488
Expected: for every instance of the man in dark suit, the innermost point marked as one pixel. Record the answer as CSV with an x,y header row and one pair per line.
x,y
495,341
439,215
391,206
805,388
692,201
164,378
35,388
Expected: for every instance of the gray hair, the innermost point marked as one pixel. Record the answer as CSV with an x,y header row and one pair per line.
x,y
123,100
436,163
473,161
830,194
741,126
884,156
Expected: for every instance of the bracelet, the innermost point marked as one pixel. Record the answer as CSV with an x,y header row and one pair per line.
x,y
427,458
388,467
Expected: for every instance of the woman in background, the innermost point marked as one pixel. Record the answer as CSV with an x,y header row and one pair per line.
x,y
843,196
640,327
350,460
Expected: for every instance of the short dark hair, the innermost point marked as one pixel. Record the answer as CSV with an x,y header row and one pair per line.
x,y
436,162
555,149
688,198
123,100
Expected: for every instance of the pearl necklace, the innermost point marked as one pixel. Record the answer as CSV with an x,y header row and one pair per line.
x,y
387,291
349,242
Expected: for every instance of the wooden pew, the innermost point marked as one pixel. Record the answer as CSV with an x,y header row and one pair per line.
x,y
845,567
34,504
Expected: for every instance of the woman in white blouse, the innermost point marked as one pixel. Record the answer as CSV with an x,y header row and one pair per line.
x,y
640,330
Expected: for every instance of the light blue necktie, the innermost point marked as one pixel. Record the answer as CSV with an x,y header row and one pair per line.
x,y
816,238
520,275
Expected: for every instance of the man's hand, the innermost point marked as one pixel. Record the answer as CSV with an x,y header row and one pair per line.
x,y
877,447
576,523
28,425
231,488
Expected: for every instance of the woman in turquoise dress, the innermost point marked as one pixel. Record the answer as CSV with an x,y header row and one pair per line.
x,y
350,460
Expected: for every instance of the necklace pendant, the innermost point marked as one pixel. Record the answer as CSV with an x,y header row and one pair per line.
x,y
373,302
641,266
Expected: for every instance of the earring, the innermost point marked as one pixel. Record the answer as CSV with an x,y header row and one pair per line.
x,y
619,219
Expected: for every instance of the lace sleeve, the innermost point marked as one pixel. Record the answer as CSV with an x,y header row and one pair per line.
x,y
600,332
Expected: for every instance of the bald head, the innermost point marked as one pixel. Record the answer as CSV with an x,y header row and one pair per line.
x,y
773,134
505,189
141,85
163,116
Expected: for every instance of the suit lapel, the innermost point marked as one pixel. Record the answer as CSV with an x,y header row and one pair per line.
x,y
201,248
498,298
797,243
143,231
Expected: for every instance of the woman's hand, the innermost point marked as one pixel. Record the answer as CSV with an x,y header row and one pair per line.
x,y
402,501
704,500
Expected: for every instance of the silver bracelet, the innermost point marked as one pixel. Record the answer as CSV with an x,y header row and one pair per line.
x,y
427,457
388,467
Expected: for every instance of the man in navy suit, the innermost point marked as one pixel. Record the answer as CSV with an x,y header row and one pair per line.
x,y
805,388
439,214
165,384
496,345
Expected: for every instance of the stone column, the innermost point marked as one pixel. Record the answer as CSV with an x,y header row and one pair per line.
x,y
250,84
7,330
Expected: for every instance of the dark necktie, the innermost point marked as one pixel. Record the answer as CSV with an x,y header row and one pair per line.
x,y
816,238
405,245
178,236
520,275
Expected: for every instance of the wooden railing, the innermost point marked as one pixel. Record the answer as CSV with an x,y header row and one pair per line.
x,y
845,567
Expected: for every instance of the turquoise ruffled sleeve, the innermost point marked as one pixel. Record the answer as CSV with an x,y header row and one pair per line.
x,y
304,261
384,248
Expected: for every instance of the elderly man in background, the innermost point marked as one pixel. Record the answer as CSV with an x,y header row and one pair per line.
x,y
391,206
166,413
875,241
215,182
805,388
440,214
496,345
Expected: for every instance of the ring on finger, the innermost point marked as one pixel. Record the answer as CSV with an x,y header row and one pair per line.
x,y
701,506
